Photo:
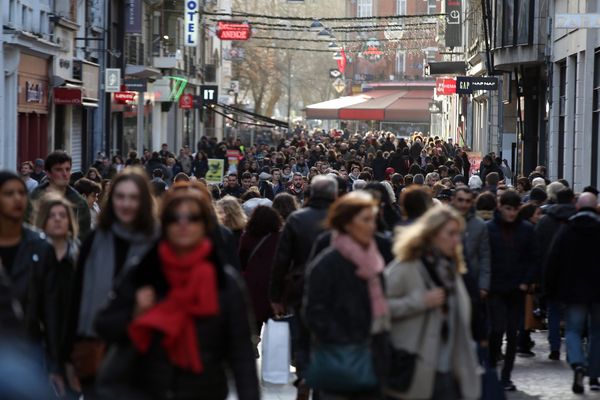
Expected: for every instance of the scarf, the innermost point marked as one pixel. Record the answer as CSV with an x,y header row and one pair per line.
x,y
99,271
193,293
369,266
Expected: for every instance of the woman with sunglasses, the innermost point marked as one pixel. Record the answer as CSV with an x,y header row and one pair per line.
x,y
184,310
126,230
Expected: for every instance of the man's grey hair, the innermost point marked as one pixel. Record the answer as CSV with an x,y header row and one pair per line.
x,y
359,184
324,187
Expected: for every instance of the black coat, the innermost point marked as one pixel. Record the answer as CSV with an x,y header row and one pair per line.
x,y
337,306
384,245
573,271
548,226
514,255
224,340
379,165
36,285
289,265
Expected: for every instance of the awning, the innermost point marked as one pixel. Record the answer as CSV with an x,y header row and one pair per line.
x,y
142,71
403,105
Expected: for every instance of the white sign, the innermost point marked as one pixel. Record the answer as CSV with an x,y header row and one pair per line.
x,y
192,10
112,80
575,21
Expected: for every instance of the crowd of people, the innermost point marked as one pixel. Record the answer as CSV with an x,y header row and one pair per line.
x,y
404,268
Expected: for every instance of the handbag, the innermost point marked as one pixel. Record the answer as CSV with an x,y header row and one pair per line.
x,y
340,368
276,352
87,356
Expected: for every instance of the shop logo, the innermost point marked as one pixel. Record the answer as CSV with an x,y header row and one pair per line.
x,y
33,92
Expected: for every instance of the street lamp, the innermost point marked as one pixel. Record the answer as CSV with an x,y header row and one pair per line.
x,y
333,46
337,56
325,34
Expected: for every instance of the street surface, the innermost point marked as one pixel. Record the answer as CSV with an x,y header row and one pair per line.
x,y
536,378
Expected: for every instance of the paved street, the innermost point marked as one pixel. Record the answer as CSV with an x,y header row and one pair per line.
x,y
536,378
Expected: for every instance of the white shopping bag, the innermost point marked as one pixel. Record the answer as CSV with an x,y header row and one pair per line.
x,y
276,349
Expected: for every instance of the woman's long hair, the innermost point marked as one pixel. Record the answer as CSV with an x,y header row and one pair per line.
x,y
414,241
45,204
145,220
234,218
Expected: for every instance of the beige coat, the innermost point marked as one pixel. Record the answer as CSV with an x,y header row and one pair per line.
x,y
406,284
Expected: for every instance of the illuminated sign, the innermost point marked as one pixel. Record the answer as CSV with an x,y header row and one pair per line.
x,y
192,10
445,86
179,85
124,97
231,30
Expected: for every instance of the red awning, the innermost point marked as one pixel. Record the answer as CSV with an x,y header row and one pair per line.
x,y
402,105
67,95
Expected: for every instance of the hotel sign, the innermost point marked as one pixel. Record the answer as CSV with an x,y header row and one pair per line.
x,y
191,25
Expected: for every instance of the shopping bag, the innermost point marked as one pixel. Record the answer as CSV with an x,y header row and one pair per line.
x,y
276,349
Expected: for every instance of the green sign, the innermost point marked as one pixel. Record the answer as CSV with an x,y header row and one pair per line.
x,y
215,170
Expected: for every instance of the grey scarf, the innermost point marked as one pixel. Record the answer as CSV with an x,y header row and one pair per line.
x,y
99,271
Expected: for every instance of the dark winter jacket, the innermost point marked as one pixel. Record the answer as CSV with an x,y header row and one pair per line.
x,y
487,169
514,254
477,250
573,271
548,226
289,266
225,339
337,306
35,284
257,270
199,168
379,165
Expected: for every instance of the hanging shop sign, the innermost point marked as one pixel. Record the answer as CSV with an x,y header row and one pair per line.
x,y
453,23
133,17
339,85
334,73
372,51
67,96
186,101
124,97
209,93
34,92
136,85
445,86
112,80
233,30
191,26
469,84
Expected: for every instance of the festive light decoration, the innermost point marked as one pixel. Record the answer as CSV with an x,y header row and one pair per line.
x,y
328,19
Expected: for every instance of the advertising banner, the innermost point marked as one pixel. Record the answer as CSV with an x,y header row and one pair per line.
x,y
133,17
215,170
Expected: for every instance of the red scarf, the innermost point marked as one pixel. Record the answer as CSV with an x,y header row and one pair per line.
x,y
192,293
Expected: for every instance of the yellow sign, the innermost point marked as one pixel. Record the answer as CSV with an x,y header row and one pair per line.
x,y
215,170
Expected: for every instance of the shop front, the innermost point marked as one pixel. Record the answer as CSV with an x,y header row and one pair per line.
x,y
32,108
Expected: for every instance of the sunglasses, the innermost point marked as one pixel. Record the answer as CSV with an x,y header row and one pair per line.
x,y
178,218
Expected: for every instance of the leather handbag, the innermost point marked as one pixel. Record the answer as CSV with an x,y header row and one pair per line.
x,y
339,368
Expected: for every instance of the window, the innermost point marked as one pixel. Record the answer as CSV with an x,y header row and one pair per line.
x,y
508,28
595,118
400,64
524,21
431,7
364,8
401,7
562,117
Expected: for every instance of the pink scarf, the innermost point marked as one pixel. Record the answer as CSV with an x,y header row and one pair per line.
x,y
369,266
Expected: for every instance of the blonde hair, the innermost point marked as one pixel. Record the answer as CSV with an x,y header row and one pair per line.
x,y
45,204
235,218
412,242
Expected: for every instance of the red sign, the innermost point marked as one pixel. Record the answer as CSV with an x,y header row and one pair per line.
x,y
445,86
67,96
231,30
342,63
186,101
124,97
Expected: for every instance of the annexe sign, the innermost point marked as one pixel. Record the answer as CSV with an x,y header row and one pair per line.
x,y
233,30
